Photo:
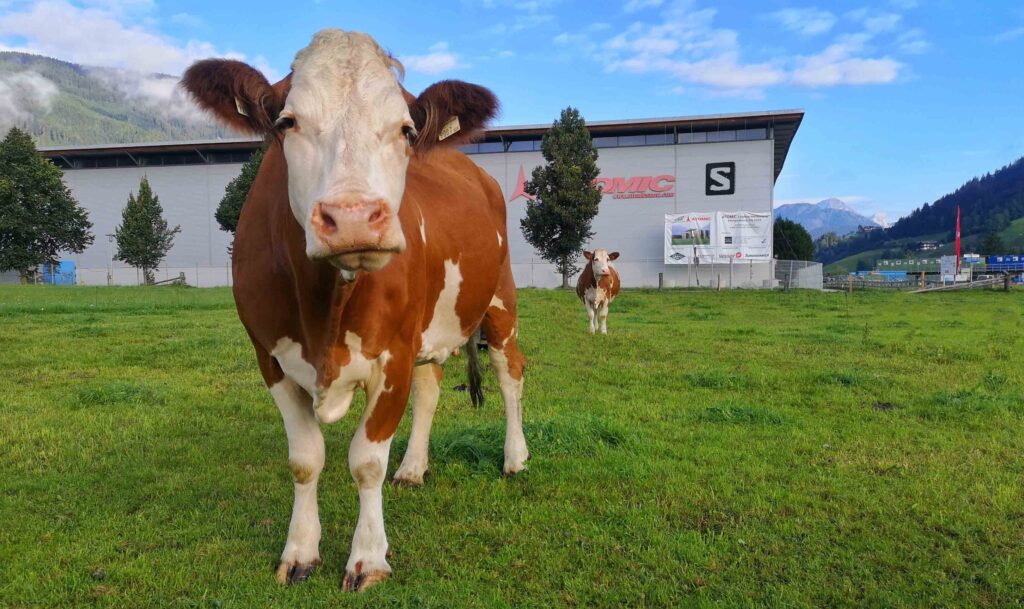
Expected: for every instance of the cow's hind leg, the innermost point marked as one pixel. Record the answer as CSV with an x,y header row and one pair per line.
x,y
306,459
501,326
426,388
368,461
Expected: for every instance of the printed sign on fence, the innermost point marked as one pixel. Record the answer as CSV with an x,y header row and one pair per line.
x,y
719,236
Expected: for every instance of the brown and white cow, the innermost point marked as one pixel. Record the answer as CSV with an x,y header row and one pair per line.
x,y
368,249
598,286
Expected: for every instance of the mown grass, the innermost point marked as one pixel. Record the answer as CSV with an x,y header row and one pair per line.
x,y
732,449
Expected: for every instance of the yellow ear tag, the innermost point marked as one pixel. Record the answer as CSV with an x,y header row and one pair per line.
x,y
450,128
239,107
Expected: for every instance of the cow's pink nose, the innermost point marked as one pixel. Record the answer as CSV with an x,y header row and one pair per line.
x,y
351,225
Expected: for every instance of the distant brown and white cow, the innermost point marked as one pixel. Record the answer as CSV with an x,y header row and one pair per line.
x,y
598,286
368,249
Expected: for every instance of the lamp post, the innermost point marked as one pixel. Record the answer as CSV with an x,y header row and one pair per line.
x,y
110,266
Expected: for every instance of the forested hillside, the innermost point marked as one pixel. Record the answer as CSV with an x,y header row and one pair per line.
x,y
62,103
988,204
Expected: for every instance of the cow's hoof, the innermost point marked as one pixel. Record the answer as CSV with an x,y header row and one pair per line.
x,y
514,466
295,573
409,480
360,580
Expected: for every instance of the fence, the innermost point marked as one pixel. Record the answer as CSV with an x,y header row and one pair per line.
x,y
195,276
636,273
799,274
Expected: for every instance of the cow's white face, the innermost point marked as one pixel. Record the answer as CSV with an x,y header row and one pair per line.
x,y
347,133
601,261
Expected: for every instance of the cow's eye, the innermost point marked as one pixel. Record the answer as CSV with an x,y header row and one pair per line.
x,y
284,122
409,132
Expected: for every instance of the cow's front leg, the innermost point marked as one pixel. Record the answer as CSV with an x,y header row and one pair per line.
x,y
368,462
306,459
590,315
604,317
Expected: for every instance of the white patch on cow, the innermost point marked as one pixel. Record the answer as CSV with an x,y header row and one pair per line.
x,y
288,354
445,330
306,460
333,402
425,392
359,153
368,462
497,303
499,239
423,230
516,452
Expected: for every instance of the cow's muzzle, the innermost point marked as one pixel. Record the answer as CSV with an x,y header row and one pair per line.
x,y
356,235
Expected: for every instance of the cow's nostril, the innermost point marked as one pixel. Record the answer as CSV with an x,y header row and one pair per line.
x,y
327,223
376,216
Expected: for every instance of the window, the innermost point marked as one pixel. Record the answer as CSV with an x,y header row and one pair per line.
x,y
492,147
522,146
631,140
722,136
693,138
752,134
658,139
605,142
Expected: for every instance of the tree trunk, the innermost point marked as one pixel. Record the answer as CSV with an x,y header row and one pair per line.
x,y
148,274
565,280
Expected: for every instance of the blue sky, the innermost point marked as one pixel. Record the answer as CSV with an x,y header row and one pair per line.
x,y
905,99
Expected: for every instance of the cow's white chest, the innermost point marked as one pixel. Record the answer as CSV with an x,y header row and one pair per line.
x,y
331,402
444,333
595,295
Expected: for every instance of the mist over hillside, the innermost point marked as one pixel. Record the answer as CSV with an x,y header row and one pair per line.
x,y
61,103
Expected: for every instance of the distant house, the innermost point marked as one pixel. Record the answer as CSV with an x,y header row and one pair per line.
x,y
924,246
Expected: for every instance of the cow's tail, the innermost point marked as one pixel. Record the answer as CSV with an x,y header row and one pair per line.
x,y
475,383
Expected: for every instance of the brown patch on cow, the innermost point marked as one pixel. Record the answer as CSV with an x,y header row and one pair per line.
x,y
236,93
301,473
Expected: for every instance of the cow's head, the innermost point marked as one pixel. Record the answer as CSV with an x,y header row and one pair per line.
x,y
348,130
600,261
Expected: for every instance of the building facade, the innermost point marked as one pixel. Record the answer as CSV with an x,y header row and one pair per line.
x,y
649,169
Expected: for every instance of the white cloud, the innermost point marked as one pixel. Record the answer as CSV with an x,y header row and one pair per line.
x,y
839,64
188,20
633,6
913,42
23,94
438,60
687,47
1009,35
95,36
806,21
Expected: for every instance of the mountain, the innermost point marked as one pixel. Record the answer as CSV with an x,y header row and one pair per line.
x,y
62,103
830,215
989,205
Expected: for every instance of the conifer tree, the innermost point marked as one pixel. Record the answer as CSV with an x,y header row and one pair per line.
x,y
565,199
143,237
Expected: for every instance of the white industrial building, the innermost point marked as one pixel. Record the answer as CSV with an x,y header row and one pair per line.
x,y
650,169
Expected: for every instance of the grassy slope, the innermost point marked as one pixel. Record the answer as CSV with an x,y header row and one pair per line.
x,y
1012,235
716,449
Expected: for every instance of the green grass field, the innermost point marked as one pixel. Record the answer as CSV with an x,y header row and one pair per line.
x,y
726,449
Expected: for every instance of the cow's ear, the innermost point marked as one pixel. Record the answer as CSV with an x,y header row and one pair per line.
x,y
236,93
588,255
450,113
613,256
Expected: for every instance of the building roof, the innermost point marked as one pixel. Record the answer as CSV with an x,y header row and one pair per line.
x,y
779,125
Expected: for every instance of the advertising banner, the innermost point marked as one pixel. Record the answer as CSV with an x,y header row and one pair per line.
x,y
720,236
